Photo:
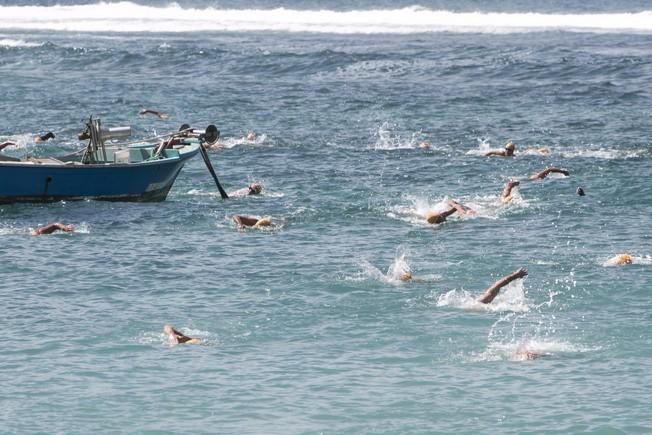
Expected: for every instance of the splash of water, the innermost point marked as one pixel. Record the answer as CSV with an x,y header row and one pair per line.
x,y
511,298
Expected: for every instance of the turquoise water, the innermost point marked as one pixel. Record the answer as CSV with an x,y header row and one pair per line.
x,y
305,328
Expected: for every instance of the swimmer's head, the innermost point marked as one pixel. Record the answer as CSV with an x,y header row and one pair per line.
x,y
251,136
44,137
434,217
424,144
622,259
167,329
406,275
510,146
255,188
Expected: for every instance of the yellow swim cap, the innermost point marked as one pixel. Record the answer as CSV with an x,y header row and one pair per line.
x,y
509,145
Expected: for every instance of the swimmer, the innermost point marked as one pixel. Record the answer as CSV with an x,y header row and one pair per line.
x,y
252,189
4,145
506,195
580,191
508,151
424,145
493,290
522,354
455,207
620,260
44,137
543,174
250,221
176,337
50,228
156,113
251,136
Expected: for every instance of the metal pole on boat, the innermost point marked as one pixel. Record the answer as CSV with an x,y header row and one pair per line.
x,y
204,155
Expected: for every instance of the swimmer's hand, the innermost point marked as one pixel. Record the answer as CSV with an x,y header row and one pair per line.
x,y
522,272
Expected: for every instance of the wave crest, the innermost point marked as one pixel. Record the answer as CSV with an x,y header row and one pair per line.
x,y
132,17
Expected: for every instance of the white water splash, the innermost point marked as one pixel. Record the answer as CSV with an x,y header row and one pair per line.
x,y
131,17
484,146
528,349
12,43
231,142
602,153
511,298
414,212
397,272
388,139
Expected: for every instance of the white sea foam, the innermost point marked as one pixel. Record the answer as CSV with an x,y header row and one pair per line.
x,y
231,142
414,212
387,138
11,230
17,42
483,146
519,350
601,153
132,17
395,272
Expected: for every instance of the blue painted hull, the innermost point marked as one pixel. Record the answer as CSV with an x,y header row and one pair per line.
x,y
148,180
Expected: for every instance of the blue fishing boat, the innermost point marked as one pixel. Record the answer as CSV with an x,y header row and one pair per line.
x,y
135,172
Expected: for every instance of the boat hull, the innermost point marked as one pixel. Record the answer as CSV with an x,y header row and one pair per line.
x,y
144,181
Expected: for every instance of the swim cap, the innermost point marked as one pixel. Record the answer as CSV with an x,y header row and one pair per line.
x,y
509,145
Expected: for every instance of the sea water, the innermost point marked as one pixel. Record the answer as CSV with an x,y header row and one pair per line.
x,y
306,326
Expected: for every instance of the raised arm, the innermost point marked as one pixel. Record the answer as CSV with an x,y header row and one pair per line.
x,y
506,195
492,291
4,145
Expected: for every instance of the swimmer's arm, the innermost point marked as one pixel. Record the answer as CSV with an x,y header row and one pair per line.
x,y
492,291
153,112
558,171
499,153
444,214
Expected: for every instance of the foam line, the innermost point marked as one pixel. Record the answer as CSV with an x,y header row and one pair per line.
x,y
132,17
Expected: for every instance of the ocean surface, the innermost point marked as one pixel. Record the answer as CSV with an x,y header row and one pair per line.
x,y
305,326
